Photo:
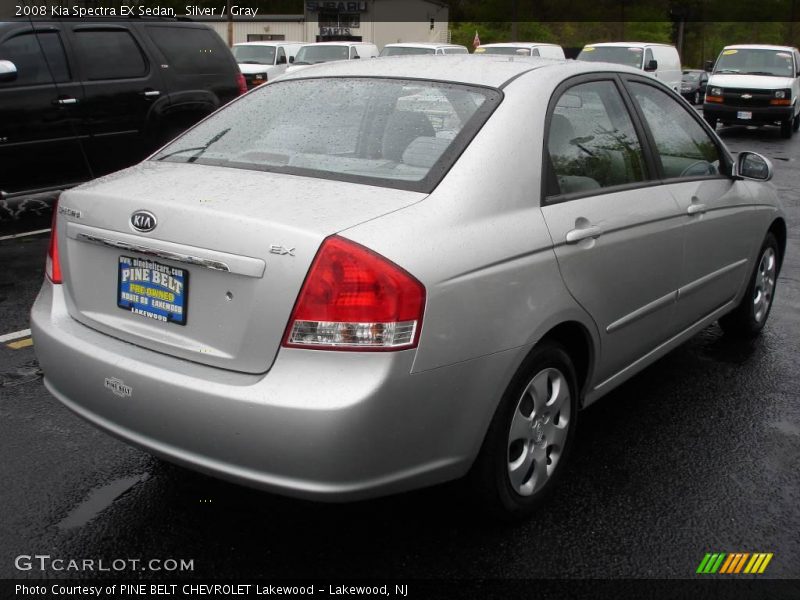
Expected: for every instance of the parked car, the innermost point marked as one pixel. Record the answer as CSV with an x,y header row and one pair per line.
x,y
264,61
522,49
413,48
336,302
755,85
661,61
693,85
320,52
80,99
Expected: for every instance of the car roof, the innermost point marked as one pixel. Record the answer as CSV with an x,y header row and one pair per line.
x,y
516,45
488,70
627,44
759,47
340,44
422,45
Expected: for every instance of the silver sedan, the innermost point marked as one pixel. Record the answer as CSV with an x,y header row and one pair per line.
x,y
372,276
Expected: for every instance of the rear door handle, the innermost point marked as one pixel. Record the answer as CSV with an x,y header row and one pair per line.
x,y
66,101
696,208
576,235
151,93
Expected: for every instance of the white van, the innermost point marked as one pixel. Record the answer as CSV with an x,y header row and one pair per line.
x,y
411,48
755,85
260,62
523,49
658,60
320,52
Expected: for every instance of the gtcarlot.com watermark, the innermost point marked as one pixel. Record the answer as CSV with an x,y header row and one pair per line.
x,y
47,563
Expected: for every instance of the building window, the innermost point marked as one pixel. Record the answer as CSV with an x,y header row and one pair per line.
x,y
338,20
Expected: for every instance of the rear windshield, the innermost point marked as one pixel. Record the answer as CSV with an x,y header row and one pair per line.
x,y
388,132
308,55
404,51
752,61
620,55
254,55
511,50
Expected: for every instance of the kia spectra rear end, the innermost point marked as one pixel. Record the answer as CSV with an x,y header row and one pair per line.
x,y
208,305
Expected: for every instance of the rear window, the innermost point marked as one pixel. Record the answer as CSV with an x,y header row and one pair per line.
x,y
405,51
192,51
309,55
110,54
254,55
620,55
388,132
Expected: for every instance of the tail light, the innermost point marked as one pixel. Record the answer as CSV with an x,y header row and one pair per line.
x,y
53,265
241,83
355,299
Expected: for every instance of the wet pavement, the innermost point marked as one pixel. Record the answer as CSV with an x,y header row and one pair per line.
x,y
699,453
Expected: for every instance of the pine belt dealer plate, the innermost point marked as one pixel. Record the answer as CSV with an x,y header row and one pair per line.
x,y
153,290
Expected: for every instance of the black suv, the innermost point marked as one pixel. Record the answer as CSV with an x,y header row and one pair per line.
x,y
83,98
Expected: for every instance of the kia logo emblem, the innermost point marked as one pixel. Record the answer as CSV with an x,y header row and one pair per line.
x,y
143,220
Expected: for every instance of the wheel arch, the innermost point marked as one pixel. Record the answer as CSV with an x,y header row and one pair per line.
x,y
778,229
578,343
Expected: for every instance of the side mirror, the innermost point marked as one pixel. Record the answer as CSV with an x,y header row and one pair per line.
x,y
709,65
750,165
281,60
652,65
8,71
291,59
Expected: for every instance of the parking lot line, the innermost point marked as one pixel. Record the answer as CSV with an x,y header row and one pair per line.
x,y
19,235
8,337
19,344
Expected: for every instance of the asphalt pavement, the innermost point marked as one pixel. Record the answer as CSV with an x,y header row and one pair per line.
x,y
697,454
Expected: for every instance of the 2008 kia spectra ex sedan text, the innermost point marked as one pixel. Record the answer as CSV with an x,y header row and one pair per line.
x,y
372,276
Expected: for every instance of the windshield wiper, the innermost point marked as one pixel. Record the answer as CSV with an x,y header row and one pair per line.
x,y
301,62
198,150
760,73
727,71
250,62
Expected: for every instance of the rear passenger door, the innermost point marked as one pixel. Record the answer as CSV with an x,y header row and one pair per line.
x,y
716,209
120,86
617,234
40,127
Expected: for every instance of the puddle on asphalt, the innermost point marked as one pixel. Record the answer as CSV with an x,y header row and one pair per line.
x,y
100,499
25,373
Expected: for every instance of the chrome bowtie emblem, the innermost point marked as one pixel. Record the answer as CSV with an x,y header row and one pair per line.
x,y
747,96
143,220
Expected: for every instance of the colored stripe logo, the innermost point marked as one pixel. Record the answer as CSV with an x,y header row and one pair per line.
x,y
734,563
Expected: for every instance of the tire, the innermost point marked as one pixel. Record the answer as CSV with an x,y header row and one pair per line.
x,y
787,128
696,98
530,436
749,317
796,123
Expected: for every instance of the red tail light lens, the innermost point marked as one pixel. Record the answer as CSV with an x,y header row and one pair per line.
x,y
355,299
53,265
241,83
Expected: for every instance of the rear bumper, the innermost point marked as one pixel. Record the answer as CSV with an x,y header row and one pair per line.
x,y
321,425
760,114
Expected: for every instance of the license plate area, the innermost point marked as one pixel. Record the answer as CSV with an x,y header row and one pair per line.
x,y
153,290
744,115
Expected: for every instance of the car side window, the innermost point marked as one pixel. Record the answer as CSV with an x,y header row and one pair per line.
x,y
683,146
110,54
648,56
353,52
281,59
534,52
592,143
33,68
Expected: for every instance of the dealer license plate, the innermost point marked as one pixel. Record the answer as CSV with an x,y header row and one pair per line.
x,y
744,115
153,290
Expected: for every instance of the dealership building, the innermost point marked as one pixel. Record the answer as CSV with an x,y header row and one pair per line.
x,y
378,21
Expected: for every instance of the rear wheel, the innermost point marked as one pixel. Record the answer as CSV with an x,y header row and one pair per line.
x,y
749,318
530,436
